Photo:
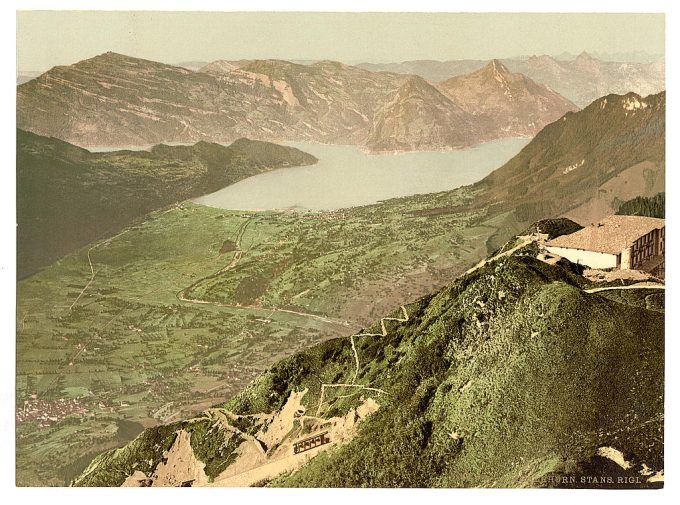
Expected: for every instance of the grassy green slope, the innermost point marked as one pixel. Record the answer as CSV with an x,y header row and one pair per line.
x,y
68,196
493,381
487,391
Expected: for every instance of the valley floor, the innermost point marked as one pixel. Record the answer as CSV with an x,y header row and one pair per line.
x,y
155,323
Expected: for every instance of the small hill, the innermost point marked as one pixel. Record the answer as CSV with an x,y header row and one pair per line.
x,y
512,103
221,66
68,196
490,382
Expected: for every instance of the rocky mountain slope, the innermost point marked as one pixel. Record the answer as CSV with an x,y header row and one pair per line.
x,y
512,103
419,117
116,100
588,162
487,104
68,196
489,382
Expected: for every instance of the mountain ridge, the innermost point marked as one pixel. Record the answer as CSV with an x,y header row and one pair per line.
x,y
68,196
580,82
417,117
117,100
513,101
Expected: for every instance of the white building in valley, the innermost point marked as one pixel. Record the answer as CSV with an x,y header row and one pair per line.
x,y
625,242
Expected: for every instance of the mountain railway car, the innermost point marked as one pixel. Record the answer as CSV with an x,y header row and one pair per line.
x,y
309,443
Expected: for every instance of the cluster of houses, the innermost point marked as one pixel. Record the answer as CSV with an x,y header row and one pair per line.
x,y
616,242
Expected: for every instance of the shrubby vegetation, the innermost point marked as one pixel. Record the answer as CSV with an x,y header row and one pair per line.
x,y
654,206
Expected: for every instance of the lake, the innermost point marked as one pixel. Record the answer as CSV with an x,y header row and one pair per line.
x,y
345,176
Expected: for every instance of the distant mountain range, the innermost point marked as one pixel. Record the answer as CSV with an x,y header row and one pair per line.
x,y
67,196
581,79
115,100
586,78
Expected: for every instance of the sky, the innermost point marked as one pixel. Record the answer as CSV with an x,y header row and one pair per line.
x,y
49,38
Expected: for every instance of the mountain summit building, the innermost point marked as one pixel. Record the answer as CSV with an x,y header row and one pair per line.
x,y
616,242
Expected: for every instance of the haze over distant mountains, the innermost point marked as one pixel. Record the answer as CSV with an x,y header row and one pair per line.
x,y
581,79
116,100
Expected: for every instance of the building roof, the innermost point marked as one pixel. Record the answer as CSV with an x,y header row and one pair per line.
x,y
611,235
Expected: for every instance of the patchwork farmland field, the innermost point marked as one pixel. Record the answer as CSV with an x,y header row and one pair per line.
x,y
164,319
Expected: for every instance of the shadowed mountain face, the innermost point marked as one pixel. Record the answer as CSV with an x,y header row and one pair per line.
x,y
512,103
117,100
68,196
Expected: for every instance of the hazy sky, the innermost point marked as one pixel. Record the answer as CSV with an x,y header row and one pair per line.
x,y
48,38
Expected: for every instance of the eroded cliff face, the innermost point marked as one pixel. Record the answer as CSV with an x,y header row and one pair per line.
x,y
261,447
116,100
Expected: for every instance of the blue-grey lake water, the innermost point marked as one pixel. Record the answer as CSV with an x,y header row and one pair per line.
x,y
345,176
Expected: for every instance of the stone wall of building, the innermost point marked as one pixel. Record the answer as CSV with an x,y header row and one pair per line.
x,y
588,258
